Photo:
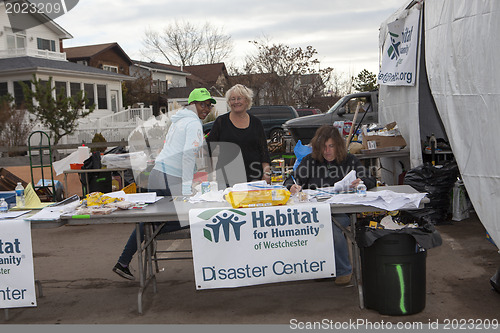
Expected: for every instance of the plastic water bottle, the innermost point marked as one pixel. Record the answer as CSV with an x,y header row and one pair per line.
x,y
4,206
361,189
20,195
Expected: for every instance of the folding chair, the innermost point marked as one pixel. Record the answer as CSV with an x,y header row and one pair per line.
x,y
171,254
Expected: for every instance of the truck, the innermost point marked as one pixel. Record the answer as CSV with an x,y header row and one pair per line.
x,y
303,128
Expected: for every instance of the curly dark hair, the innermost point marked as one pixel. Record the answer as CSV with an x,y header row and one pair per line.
x,y
322,135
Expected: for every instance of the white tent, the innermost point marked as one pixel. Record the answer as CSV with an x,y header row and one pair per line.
x,y
458,74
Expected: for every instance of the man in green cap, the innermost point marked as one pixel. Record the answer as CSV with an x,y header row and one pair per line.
x,y
174,168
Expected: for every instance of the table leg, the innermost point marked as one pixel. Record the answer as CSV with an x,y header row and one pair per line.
x,y
122,181
142,284
144,256
66,185
87,190
148,262
356,266
357,262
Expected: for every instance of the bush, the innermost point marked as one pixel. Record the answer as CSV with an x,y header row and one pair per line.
x,y
98,137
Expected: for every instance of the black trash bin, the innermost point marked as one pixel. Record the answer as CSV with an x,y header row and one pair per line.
x,y
393,272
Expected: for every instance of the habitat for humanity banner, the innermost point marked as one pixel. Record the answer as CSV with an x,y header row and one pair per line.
x,y
399,57
17,282
241,247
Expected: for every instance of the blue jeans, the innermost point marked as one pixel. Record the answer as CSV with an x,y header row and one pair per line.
x,y
342,262
158,183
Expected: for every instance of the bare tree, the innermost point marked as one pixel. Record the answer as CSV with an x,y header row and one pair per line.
x,y
183,43
217,45
295,72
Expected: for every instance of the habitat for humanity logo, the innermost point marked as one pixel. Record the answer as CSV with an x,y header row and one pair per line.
x,y
222,220
25,14
393,50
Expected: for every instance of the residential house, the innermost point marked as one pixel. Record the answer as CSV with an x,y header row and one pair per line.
x,y
109,57
214,77
157,78
263,86
37,50
172,84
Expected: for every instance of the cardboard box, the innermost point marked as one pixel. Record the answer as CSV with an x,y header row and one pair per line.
x,y
381,141
378,141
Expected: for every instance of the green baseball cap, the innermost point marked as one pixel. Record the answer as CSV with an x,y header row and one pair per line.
x,y
200,95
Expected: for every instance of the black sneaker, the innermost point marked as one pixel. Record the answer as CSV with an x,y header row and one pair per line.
x,y
123,271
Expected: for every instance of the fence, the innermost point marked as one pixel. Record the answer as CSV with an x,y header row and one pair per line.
x,y
114,127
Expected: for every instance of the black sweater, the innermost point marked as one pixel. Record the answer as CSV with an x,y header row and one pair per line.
x,y
251,141
311,174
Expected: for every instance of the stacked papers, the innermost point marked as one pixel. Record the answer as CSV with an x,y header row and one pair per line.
x,y
386,200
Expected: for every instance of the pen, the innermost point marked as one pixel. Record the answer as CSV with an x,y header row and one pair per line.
x,y
295,182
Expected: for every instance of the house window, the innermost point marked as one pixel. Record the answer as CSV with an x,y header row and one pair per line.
x,y
89,92
18,92
45,44
4,89
16,42
102,100
74,88
60,87
109,68
163,87
45,83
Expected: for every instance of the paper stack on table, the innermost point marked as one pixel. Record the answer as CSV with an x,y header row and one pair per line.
x,y
387,200
53,212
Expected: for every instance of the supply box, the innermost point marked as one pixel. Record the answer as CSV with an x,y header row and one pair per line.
x,y
387,137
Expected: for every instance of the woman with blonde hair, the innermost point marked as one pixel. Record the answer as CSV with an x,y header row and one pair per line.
x,y
244,130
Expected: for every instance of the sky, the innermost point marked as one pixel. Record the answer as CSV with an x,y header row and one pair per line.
x,y
345,33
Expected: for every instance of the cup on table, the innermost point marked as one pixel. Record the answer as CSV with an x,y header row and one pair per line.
x,y
303,197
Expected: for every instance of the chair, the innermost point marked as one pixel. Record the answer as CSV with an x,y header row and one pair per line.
x,y
171,236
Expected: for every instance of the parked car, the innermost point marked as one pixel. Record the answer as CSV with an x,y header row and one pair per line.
x,y
303,128
307,112
271,116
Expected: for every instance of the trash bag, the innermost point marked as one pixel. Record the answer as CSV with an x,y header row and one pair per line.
x,y
128,174
438,183
300,152
426,236
97,181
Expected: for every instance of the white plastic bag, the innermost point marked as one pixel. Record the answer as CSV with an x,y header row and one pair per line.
x,y
136,161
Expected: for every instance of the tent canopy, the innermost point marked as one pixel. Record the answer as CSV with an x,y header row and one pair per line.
x,y
459,80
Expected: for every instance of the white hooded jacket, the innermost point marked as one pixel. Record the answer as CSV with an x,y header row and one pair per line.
x,y
182,143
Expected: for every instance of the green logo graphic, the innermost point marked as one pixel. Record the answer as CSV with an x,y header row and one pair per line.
x,y
224,219
393,50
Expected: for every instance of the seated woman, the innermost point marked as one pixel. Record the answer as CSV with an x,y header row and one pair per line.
x,y
328,163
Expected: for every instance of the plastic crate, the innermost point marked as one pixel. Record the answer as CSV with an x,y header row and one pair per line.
x,y
9,196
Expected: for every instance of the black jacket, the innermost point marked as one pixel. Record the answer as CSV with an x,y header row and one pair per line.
x,y
311,174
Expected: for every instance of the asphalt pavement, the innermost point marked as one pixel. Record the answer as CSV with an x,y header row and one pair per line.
x,y
73,264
